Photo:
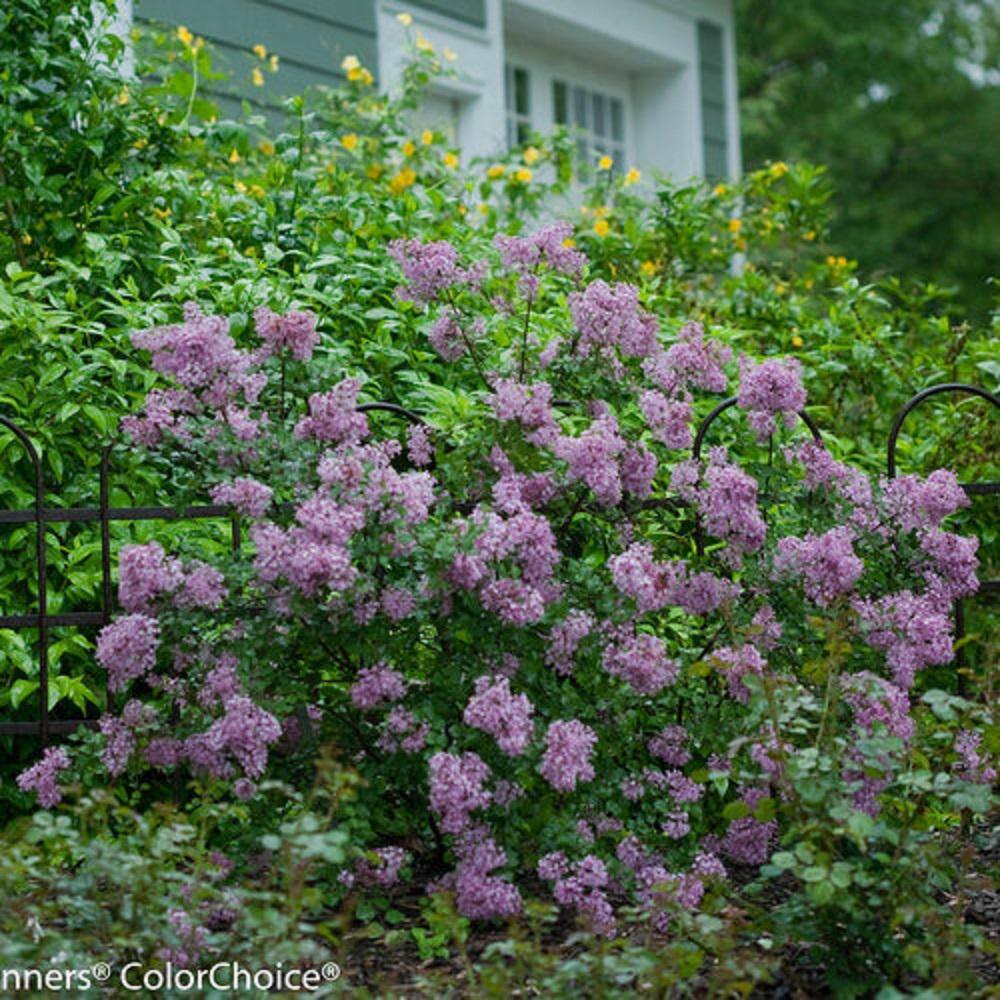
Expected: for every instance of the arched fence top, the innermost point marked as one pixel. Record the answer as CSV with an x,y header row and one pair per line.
x,y
703,427
938,390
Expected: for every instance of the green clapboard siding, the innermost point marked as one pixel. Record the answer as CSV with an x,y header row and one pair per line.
x,y
712,79
311,38
470,11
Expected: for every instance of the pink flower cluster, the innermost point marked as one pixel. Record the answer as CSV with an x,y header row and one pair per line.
x,y
737,664
479,894
145,573
247,496
668,745
826,564
568,748
726,503
376,685
430,269
913,631
973,765
747,839
381,868
43,777
690,362
333,416
609,316
581,886
640,659
456,788
503,715
916,503
127,647
295,332
769,389
548,244
565,639
653,585
214,376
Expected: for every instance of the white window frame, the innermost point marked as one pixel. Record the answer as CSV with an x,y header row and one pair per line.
x,y
518,119
589,113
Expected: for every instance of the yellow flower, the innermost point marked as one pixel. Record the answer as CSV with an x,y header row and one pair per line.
x,y
349,142
405,19
449,54
401,181
141,143
423,44
366,78
462,209
523,175
123,96
719,190
735,225
259,51
605,163
267,148
531,155
741,244
198,44
809,282
633,176
273,63
241,188
779,169
497,170
257,191
601,227
350,63
831,261
648,268
797,341
408,148
569,242
483,208
257,77
427,137
374,171
811,235
184,35
450,160
234,155
841,262
26,239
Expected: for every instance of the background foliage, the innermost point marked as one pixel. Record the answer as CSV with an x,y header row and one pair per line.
x,y
900,101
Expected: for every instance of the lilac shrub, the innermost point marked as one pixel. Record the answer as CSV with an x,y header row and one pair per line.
x,y
503,621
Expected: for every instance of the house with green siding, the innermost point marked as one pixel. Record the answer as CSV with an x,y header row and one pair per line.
x,y
651,83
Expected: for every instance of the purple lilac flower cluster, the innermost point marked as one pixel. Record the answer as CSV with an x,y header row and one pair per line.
x,y
581,886
505,716
430,269
43,777
770,389
568,749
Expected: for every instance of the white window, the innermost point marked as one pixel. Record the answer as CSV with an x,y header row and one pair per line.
x,y
598,120
517,92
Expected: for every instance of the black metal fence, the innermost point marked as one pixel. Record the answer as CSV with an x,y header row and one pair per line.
x,y
40,515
